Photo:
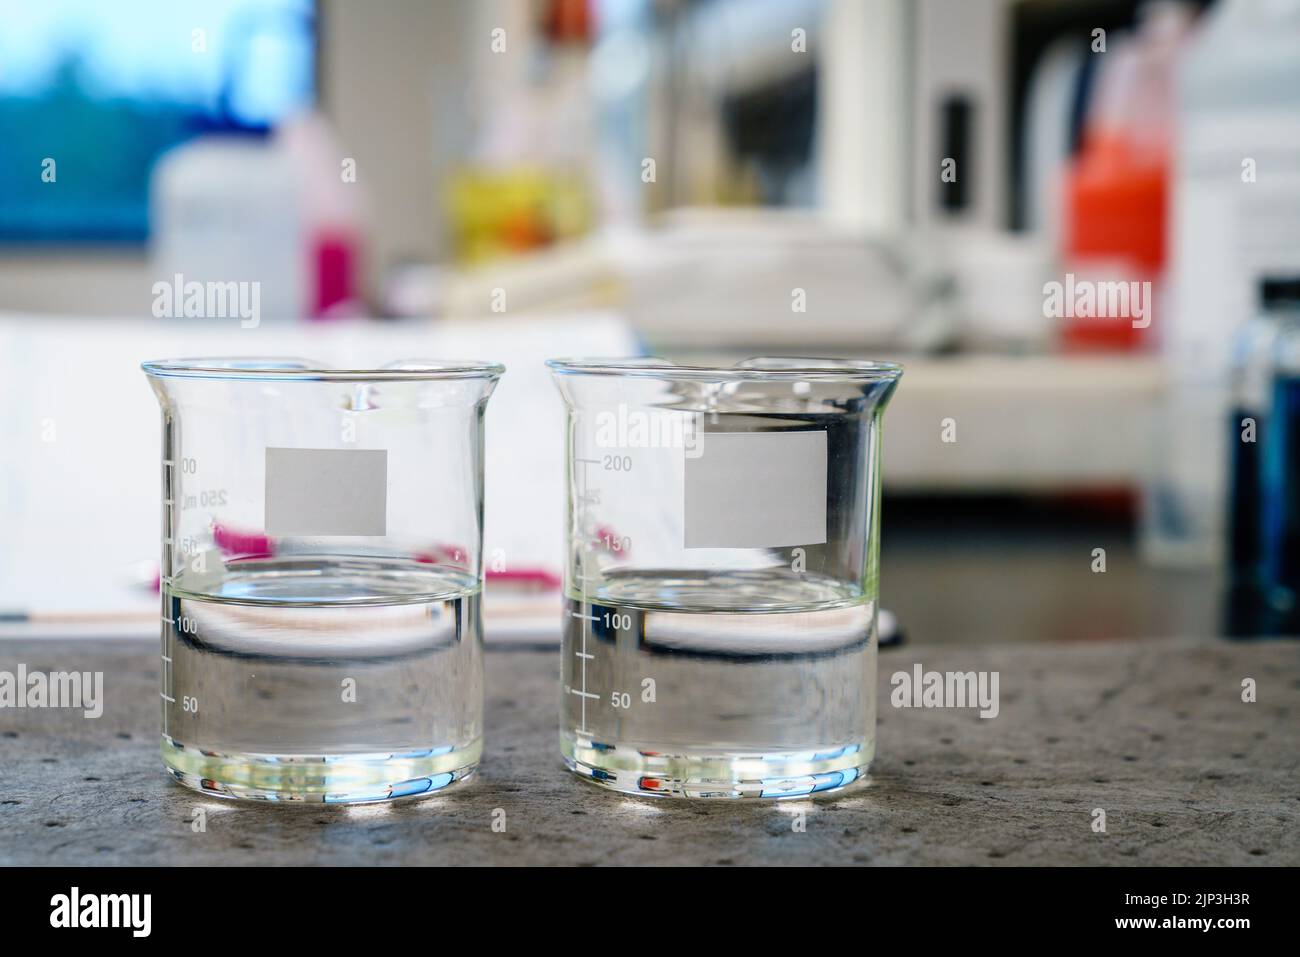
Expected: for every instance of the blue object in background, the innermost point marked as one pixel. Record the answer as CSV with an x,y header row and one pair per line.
x,y
1282,502
92,93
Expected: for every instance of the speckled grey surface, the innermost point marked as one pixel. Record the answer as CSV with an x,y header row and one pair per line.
x,y
1154,733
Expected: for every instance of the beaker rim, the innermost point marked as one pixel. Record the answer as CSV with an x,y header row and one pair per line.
x,y
264,367
762,368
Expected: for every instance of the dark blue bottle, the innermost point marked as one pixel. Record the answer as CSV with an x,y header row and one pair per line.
x,y
1279,528
1265,419
1282,504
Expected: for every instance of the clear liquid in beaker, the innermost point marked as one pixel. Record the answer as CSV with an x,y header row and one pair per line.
x,y
730,700
322,681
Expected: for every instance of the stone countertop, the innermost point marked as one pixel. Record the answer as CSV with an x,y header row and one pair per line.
x,y
1155,733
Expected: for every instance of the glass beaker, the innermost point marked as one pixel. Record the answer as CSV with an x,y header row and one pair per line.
x,y
320,577
721,577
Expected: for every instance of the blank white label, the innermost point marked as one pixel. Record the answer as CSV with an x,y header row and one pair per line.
x,y
327,492
757,490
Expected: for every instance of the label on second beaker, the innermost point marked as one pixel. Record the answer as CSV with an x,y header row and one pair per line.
x,y
756,490
313,492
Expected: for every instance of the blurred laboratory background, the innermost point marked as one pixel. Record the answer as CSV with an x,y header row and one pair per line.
x,y
1076,222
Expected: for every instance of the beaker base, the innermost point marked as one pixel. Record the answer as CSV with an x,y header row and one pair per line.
x,y
320,779
651,772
